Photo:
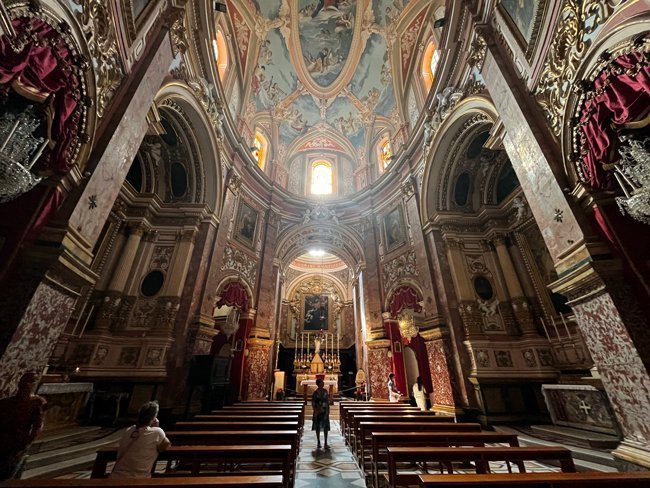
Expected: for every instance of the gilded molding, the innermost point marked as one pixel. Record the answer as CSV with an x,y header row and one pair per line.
x,y
98,26
576,25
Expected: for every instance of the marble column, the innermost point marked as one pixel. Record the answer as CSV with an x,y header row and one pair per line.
x,y
246,320
379,367
605,307
256,370
39,303
518,300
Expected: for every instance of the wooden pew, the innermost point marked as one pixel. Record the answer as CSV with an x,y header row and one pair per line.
x,y
240,425
270,481
345,413
480,456
257,412
364,444
382,440
381,417
537,480
211,460
353,413
236,438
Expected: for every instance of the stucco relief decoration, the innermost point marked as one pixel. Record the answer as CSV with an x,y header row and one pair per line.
x,y
239,261
409,39
161,257
99,28
401,266
577,26
242,33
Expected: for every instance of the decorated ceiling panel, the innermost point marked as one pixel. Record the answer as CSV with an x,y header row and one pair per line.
x,y
323,72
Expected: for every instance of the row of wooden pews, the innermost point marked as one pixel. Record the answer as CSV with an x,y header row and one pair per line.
x,y
243,445
394,443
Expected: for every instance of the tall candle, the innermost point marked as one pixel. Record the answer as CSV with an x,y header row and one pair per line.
x,y
555,327
302,345
295,350
307,344
566,327
545,329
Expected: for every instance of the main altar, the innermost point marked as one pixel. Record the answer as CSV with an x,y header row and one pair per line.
x,y
323,362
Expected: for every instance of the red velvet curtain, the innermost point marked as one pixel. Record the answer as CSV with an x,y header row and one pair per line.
x,y
38,59
404,297
234,295
621,94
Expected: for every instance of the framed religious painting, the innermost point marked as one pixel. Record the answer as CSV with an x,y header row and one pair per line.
x,y
393,224
246,224
524,19
136,13
315,311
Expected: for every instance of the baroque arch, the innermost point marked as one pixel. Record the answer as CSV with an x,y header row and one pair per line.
x,y
334,239
179,99
466,119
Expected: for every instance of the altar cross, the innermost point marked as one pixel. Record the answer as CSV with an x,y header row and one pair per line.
x,y
585,407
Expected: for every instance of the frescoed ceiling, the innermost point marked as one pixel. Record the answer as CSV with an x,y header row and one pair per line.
x,y
323,72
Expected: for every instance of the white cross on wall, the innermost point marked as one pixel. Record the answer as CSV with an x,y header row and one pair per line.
x,y
585,407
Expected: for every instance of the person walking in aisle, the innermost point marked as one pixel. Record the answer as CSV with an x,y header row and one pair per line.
x,y
320,402
420,394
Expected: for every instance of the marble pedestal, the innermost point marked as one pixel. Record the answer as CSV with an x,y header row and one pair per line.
x,y
64,402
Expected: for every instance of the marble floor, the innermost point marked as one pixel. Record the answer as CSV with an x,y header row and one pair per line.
x,y
320,468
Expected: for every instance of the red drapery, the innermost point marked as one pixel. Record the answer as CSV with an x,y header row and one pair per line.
x,y
621,94
404,297
234,295
38,60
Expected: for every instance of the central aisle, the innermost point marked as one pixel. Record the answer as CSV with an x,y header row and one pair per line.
x,y
335,467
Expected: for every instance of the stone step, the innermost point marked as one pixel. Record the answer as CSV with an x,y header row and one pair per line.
x,y
46,458
585,459
578,436
50,440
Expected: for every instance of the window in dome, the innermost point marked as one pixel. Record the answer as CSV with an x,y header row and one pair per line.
x,y
321,178
259,149
430,62
385,153
220,54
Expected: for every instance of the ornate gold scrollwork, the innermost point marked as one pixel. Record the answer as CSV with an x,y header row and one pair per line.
x,y
577,23
99,28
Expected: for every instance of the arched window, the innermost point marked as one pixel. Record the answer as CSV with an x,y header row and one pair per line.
x,y
321,178
260,149
430,62
220,54
384,153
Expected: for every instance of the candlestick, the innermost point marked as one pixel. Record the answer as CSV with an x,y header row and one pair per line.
x,y
566,327
338,344
545,329
555,327
307,344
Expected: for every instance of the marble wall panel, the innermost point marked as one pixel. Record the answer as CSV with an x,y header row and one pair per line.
x,y
257,368
442,387
379,367
33,341
623,373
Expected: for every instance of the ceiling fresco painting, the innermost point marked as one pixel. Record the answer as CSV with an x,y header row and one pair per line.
x,y
274,77
298,118
324,72
388,11
326,28
372,82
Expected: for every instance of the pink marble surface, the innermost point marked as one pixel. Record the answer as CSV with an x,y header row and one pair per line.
x,y
379,367
107,179
32,342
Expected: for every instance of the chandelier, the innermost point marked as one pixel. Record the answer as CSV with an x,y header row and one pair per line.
x,y
19,150
407,326
632,172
